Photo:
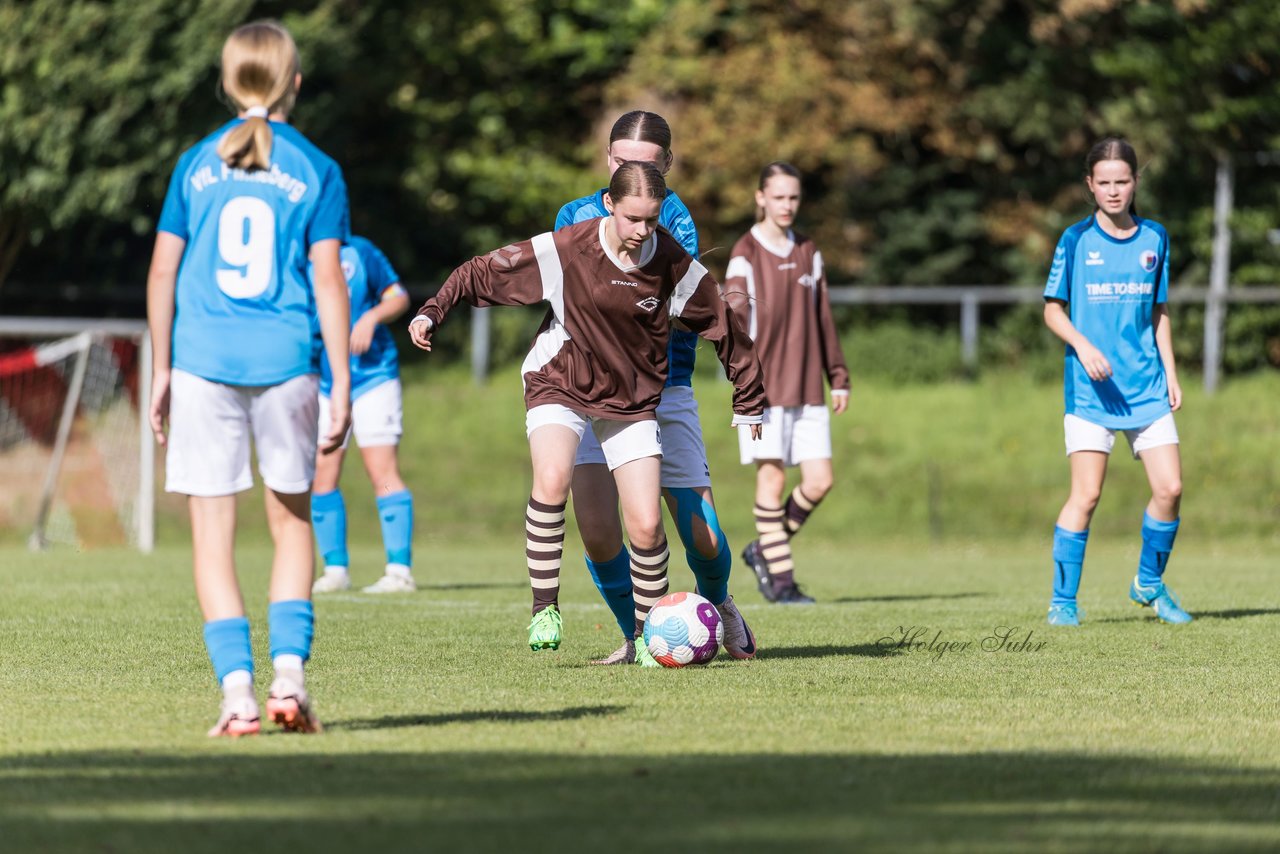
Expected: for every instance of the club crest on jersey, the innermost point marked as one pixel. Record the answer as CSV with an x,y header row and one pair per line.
x,y
649,303
1148,260
807,280
1094,259
348,269
506,257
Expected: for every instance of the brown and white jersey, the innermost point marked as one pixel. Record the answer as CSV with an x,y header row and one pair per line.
x,y
780,296
602,348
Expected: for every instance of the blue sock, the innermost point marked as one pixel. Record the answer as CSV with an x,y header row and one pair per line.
x,y
228,645
396,512
1068,560
613,580
1157,542
329,517
291,625
712,573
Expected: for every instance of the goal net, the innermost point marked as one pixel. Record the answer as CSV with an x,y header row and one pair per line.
x,y
76,452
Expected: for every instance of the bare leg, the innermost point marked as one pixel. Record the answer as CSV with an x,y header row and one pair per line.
x,y
1164,473
1088,471
213,536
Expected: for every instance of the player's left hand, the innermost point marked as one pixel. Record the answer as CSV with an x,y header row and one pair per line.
x,y
1175,395
757,430
839,401
362,334
420,333
159,410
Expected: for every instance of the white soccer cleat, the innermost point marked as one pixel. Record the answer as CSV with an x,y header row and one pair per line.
x,y
289,705
739,641
332,582
239,717
392,583
625,654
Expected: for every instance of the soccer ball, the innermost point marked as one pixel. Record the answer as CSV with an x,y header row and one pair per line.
x,y
683,628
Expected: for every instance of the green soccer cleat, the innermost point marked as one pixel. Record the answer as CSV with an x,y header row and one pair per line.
x,y
644,658
1160,599
544,629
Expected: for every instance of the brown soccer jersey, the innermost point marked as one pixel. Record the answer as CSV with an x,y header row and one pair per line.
x,y
780,296
602,349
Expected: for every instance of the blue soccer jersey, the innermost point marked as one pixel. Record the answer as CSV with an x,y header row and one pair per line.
x,y
1111,288
244,305
369,274
682,347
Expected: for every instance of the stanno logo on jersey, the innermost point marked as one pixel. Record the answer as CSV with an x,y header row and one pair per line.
x,y
1094,259
624,283
788,266
649,303
506,257
1148,260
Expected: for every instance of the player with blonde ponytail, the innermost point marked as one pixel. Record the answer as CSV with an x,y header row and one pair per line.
x,y
231,312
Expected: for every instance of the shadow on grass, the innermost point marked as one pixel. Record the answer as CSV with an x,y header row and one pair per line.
x,y
922,598
476,585
497,716
319,799
865,650
1234,613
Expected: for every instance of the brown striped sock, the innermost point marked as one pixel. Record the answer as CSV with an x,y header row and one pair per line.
x,y
544,544
775,544
798,509
648,580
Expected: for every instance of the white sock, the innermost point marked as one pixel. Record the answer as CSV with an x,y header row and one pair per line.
x,y
399,569
237,683
336,570
288,665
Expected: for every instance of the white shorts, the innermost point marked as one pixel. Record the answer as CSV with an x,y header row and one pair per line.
x,y
209,428
376,416
621,441
1084,435
684,456
792,434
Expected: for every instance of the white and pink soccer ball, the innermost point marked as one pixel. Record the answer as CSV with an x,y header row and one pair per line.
x,y
683,628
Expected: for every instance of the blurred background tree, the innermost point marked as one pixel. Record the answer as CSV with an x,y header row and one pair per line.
x,y
941,140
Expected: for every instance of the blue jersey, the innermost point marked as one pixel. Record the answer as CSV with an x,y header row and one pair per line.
x,y
682,347
1111,288
369,274
244,305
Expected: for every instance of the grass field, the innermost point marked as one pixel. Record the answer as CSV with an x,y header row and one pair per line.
x,y
446,733
875,720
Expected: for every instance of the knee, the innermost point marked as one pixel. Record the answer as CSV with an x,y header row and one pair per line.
x,y
551,488
816,488
771,481
1169,493
646,532
1085,500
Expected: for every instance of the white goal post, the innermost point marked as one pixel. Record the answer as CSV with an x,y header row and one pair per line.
x,y
76,450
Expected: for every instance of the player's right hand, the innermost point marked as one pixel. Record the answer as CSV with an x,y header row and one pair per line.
x,y
420,329
159,411
1095,364
339,424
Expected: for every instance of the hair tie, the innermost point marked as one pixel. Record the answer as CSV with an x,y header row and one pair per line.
x,y
256,112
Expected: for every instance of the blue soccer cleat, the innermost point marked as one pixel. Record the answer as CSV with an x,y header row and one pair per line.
x,y
1160,599
1065,614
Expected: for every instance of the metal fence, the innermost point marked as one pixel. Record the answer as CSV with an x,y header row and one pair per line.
x,y
970,299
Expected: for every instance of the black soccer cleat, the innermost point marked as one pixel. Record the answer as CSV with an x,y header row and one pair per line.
x,y
791,595
751,557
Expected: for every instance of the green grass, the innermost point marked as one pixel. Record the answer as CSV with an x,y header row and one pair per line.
x,y
446,732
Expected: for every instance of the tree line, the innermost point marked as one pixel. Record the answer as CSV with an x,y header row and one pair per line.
x,y
941,140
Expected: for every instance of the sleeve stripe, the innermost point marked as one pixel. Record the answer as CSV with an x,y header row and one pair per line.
x,y
740,266
544,250
686,286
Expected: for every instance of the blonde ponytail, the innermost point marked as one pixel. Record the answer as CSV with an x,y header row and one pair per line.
x,y
259,72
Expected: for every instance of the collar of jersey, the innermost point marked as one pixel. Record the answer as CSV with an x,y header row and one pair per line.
x,y
790,244
647,250
1119,241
